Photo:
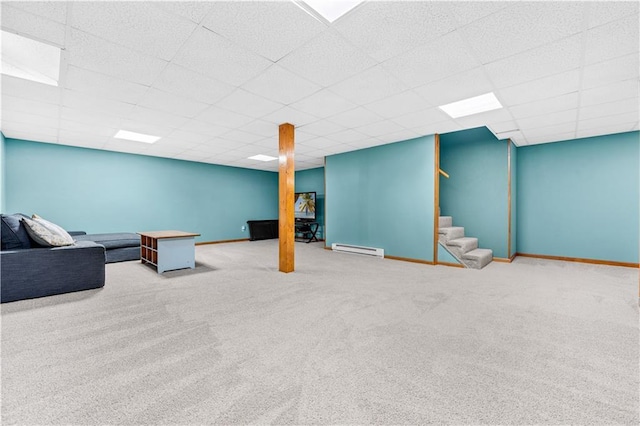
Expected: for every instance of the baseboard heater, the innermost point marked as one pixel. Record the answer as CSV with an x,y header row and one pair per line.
x,y
348,248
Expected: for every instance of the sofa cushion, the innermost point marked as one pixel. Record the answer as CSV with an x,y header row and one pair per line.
x,y
14,234
55,229
44,236
112,241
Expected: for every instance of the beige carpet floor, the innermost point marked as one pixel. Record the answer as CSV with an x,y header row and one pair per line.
x,y
343,340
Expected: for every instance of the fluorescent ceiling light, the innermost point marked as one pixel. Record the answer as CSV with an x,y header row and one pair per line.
x,y
261,157
475,105
137,137
29,59
330,10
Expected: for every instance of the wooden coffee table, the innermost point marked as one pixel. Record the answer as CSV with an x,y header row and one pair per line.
x,y
168,250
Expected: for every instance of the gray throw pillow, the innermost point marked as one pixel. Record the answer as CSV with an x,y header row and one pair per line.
x,y
45,236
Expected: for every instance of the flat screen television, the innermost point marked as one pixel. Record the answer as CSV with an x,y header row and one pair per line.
x,y
305,206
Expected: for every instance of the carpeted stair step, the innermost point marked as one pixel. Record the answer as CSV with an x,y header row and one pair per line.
x,y
445,222
464,245
478,258
450,233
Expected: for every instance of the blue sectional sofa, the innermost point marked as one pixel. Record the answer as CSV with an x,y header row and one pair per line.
x,y
28,270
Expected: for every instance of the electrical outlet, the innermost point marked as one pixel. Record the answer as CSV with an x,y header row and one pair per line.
x,y
244,228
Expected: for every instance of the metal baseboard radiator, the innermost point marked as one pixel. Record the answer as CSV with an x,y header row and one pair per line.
x,y
368,251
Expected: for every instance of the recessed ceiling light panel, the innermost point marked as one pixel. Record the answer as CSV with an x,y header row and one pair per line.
x,y
261,157
136,137
328,10
475,105
30,59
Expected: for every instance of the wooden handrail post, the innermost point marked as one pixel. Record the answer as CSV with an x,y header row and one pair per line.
x,y
286,191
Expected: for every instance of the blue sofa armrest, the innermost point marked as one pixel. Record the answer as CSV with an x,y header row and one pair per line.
x,y
39,272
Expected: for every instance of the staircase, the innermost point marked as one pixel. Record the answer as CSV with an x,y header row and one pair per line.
x,y
465,249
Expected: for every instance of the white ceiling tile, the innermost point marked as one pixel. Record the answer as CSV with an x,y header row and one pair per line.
x,y
130,147
625,120
460,86
87,102
31,120
348,136
485,118
322,128
25,24
603,12
101,85
31,90
14,103
323,104
356,117
339,149
241,136
163,151
611,71
536,134
154,129
380,128
609,41
290,115
271,29
192,10
216,57
509,31
624,106
466,12
262,128
204,128
187,137
217,145
304,149
52,10
420,118
606,130
99,131
368,86
40,134
439,128
398,105
320,143
327,59
302,137
272,142
552,58
95,118
550,137
433,61
548,87
243,102
173,104
137,25
385,29
81,139
613,92
223,117
92,53
181,81
546,120
398,136
281,85
544,106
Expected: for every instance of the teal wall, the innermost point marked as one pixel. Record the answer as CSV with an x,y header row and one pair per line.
x,y
476,194
579,198
2,172
102,191
383,197
445,256
313,180
514,198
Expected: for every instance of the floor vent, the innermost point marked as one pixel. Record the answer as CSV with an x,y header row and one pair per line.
x,y
347,248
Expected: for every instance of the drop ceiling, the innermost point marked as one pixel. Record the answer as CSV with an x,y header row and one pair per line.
x,y
215,79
